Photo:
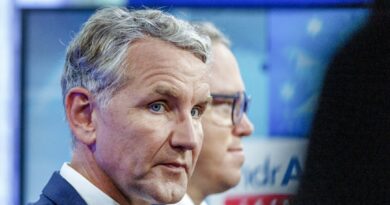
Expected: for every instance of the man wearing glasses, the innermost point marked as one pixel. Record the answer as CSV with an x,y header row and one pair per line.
x,y
224,124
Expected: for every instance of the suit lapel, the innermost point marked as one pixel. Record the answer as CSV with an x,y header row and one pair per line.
x,y
61,192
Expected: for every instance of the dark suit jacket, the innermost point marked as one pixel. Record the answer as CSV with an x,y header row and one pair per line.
x,y
59,191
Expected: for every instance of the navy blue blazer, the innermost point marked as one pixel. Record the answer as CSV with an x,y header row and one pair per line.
x,y
59,191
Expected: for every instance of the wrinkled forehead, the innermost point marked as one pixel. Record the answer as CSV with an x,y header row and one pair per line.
x,y
154,52
164,67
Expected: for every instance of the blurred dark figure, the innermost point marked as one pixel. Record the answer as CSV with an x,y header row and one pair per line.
x,y
348,156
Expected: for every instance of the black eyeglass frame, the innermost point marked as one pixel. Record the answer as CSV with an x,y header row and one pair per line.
x,y
235,97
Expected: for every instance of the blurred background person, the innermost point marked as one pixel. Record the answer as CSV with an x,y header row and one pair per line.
x,y
348,154
225,123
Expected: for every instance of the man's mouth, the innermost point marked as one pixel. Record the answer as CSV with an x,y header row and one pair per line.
x,y
175,166
235,149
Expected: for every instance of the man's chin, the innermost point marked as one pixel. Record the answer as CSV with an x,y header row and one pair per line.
x,y
231,180
169,194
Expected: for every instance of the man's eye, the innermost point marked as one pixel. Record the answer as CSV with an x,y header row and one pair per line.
x,y
196,112
157,107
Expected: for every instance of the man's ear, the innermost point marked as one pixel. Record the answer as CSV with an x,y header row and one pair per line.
x,y
79,109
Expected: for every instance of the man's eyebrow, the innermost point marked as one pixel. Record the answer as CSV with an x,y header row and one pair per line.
x,y
166,91
206,101
172,92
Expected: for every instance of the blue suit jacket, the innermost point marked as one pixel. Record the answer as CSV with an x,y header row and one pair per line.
x,y
59,191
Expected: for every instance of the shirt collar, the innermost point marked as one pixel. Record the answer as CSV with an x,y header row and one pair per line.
x,y
89,192
186,200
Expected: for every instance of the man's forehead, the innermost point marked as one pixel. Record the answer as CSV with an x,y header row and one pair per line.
x,y
206,75
152,53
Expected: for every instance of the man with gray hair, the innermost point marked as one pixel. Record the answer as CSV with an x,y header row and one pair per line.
x,y
134,90
225,123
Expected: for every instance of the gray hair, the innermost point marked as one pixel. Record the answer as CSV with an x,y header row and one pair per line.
x,y
210,30
96,58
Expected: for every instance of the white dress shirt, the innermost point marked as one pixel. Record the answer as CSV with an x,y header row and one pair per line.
x,y
186,200
89,192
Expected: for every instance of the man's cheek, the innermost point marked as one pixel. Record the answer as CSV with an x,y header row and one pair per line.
x,y
198,128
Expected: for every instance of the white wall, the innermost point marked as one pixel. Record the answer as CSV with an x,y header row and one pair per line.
x,y
9,104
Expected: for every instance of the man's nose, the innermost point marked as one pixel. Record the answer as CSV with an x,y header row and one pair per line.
x,y
244,127
185,135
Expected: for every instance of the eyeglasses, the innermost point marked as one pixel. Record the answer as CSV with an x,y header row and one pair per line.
x,y
239,102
